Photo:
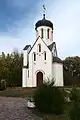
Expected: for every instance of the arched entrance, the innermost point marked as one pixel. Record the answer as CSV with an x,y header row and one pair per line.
x,y
39,78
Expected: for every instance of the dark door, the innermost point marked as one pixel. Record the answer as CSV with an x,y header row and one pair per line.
x,y
39,78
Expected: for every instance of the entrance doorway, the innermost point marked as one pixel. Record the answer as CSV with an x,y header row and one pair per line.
x,y
39,79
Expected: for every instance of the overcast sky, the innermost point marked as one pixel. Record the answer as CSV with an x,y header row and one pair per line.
x,y
18,18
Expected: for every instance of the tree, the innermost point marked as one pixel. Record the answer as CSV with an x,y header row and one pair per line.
x,y
72,73
11,68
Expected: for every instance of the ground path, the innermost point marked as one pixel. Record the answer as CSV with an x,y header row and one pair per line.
x,y
15,109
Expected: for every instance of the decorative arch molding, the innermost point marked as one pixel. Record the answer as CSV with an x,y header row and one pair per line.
x,y
40,71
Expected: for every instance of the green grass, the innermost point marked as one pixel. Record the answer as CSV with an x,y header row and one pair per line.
x,y
17,92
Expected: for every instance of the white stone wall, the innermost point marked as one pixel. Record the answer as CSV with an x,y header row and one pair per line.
x,y
48,41
57,69
25,56
25,70
24,77
40,64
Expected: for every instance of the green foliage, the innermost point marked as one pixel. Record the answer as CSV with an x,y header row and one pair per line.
x,y
72,71
11,68
3,85
58,101
75,94
74,111
49,99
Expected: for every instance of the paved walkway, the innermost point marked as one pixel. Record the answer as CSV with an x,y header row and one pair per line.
x,y
15,109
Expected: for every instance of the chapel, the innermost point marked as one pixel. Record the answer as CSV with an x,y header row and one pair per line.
x,y
41,61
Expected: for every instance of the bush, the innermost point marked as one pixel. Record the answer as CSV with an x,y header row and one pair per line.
x,y
49,99
74,111
58,101
2,85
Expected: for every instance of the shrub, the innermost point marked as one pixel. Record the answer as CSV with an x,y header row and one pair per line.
x,y
58,101
2,85
75,94
74,111
49,99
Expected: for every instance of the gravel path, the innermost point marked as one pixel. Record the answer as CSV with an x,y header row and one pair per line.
x,y
15,109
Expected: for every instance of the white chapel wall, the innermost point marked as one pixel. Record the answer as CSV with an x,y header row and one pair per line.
x,y
57,69
40,64
25,56
24,77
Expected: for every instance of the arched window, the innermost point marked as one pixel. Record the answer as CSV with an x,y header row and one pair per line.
x,y
44,55
48,33
42,33
34,56
39,46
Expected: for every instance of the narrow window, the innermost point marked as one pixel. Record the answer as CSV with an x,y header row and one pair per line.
x,y
48,33
42,33
39,47
28,73
34,56
45,56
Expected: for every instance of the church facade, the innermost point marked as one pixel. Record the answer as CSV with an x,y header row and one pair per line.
x,y
41,61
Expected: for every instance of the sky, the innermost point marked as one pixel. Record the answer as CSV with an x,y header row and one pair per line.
x,y
18,18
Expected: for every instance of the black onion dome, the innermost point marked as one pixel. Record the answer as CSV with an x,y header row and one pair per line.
x,y
44,22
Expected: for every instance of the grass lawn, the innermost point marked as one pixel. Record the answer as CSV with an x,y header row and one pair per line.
x,y
17,92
